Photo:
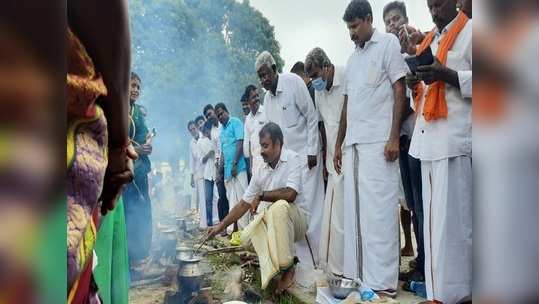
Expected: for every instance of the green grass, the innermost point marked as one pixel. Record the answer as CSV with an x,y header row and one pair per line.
x,y
288,299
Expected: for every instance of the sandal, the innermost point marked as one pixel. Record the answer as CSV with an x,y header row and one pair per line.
x,y
235,239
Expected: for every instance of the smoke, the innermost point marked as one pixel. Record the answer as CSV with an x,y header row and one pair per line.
x,y
189,54
233,288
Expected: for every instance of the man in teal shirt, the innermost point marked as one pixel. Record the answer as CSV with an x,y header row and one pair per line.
x,y
235,169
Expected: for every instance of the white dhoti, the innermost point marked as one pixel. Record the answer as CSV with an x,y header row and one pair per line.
x,y
447,208
313,191
235,187
332,232
376,248
352,238
201,202
272,233
194,204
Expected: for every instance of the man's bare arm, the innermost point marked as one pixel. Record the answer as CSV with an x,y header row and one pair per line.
x,y
337,160
391,151
207,156
236,213
110,51
342,123
288,194
399,107
323,137
239,150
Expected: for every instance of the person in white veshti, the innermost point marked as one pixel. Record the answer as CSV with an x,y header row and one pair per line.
x,y
371,121
197,178
287,103
442,140
199,175
327,80
254,121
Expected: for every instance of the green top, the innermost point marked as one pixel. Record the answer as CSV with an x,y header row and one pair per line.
x,y
138,131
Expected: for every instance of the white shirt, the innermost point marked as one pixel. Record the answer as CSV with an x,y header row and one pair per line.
x,y
329,104
409,123
194,160
293,110
287,173
215,134
253,124
370,73
451,137
205,145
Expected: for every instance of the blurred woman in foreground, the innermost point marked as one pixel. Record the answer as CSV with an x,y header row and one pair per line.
x,y
99,154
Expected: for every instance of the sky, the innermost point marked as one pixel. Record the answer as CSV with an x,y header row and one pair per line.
x,y
301,25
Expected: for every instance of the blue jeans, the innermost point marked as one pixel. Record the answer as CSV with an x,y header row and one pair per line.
x,y
208,190
411,181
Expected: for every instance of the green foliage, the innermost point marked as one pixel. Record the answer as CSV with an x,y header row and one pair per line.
x,y
288,299
190,53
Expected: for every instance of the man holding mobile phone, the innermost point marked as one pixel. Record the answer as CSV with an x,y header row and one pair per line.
x,y
396,19
442,141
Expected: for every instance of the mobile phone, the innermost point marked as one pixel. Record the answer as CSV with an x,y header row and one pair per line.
x,y
150,136
425,58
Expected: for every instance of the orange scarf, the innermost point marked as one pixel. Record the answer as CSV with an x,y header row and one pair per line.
x,y
435,106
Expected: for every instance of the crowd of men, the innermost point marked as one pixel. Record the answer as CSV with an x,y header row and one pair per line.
x,y
314,173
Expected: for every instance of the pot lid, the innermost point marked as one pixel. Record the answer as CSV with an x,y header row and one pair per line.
x,y
184,248
193,259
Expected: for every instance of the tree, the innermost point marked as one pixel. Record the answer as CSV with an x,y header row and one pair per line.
x,y
190,53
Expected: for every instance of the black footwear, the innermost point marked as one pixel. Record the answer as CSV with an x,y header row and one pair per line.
x,y
416,276
406,287
403,276
413,263
412,275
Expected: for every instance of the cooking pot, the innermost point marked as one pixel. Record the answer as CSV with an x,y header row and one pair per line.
x,y
169,233
183,253
190,267
341,287
180,222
